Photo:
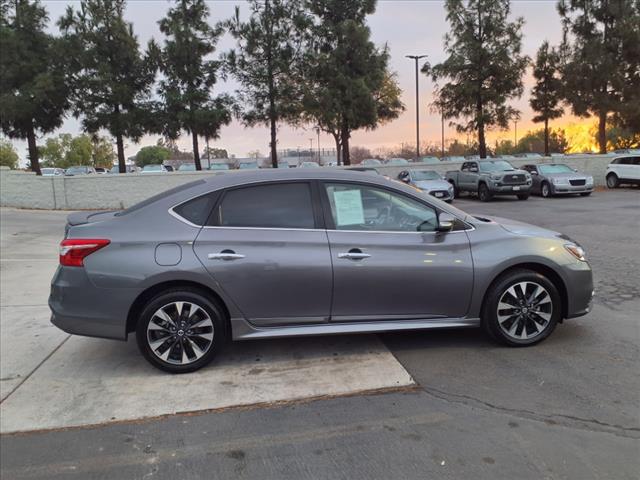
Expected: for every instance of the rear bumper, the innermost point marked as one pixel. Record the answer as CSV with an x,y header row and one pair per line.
x,y
80,308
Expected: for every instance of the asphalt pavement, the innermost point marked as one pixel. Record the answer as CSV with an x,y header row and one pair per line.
x,y
567,408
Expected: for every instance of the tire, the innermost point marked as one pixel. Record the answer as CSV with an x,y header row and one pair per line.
x,y
456,192
201,341
523,196
545,190
613,181
483,193
519,326
585,194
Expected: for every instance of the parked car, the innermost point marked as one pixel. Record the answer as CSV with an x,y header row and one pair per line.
x,y
169,168
309,165
528,155
490,177
397,161
154,168
284,164
51,172
430,160
128,168
248,165
454,159
429,181
551,179
198,264
187,167
371,162
623,170
219,166
79,170
101,170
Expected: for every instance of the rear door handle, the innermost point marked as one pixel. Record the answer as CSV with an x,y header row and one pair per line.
x,y
225,255
354,254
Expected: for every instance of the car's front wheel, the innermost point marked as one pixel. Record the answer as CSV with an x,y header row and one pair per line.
x,y
613,181
545,190
522,308
180,330
484,194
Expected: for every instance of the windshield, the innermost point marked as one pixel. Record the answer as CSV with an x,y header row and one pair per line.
x,y
496,166
248,165
425,175
551,169
187,167
152,168
372,161
219,166
159,196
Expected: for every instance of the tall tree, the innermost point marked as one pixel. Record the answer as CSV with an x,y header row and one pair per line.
x,y
111,77
33,94
189,77
601,58
547,92
484,68
8,155
349,84
266,62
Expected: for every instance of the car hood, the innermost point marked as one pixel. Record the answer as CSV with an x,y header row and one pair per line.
x,y
521,228
432,184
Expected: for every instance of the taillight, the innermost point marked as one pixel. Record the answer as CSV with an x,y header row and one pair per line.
x,y
73,251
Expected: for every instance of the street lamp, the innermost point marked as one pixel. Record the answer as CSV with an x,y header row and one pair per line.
x,y
416,58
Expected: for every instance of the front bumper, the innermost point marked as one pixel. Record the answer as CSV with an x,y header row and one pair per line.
x,y
80,308
501,189
568,189
444,195
579,284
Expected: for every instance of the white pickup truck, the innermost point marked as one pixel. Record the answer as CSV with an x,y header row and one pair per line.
x,y
490,177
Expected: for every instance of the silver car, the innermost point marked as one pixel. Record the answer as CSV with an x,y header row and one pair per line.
x,y
285,253
551,179
429,181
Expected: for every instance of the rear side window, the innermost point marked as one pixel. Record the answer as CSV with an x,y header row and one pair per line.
x,y
282,205
198,209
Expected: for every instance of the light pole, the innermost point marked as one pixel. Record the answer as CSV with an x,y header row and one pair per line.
x,y
318,132
442,118
515,135
311,147
416,58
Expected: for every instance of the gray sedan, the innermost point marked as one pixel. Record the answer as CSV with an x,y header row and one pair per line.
x,y
551,179
286,253
429,181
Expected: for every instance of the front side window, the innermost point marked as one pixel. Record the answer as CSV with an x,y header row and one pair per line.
x,y
282,205
361,207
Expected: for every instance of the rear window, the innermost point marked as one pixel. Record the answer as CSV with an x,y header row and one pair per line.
x,y
159,196
283,205
198,209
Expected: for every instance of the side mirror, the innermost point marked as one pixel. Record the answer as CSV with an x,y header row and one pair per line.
x,y
445,222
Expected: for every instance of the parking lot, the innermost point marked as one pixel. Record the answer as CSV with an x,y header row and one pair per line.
x,y
399,405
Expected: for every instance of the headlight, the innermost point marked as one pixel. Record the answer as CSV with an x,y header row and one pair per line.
x,y
590,180
576,251
559,181
496,177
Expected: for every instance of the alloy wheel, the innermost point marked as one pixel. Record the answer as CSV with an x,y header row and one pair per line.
x,y
180,333
545,190
524,310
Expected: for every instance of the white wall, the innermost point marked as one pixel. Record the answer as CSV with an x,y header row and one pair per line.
x,y
93,192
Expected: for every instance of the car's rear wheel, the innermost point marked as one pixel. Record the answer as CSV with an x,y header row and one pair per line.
x,y
613,181
523,196
545,190
180,330
522,308
484,194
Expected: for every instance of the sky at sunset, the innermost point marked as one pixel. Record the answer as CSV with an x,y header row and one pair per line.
x,y
407,27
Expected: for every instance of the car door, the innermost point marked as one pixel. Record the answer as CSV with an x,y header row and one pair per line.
x,y
535,177
265,247
384,268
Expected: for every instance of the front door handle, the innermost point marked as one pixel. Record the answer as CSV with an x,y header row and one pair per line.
x,y
225,255
354,254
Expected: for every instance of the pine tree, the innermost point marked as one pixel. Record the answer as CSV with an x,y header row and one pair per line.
x,y
601,60
33,94
189,77
349,86
266,62
111,78
547,92
484,68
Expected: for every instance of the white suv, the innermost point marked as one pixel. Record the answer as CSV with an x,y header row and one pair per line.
x,y
623,169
